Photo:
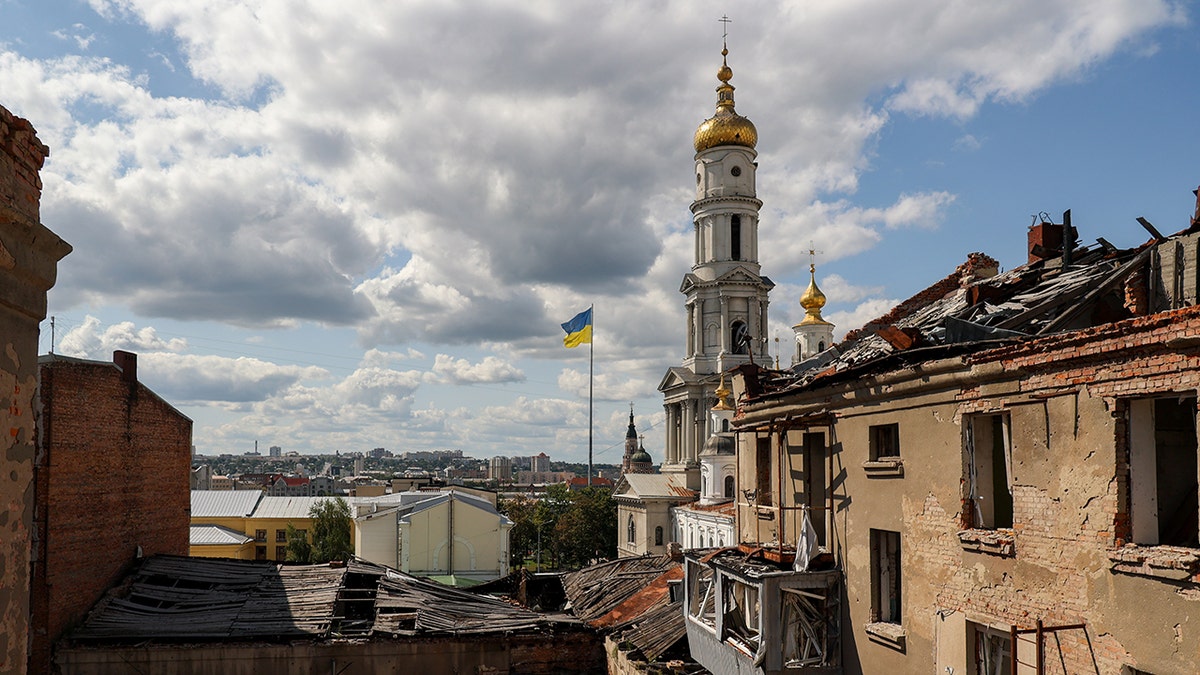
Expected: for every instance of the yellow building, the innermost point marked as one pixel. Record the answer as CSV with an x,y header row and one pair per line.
x,y
247,524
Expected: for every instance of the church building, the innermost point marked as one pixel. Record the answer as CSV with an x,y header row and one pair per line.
x,y
725,292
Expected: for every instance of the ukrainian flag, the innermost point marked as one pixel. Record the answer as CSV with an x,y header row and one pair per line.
x,y
579,329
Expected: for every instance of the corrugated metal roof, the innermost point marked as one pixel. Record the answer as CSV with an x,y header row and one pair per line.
x,y
286,507
652,485
224,503
215,535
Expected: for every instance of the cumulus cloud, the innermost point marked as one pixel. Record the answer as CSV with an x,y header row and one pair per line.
x,y
490,370
89,340
191,378
439,174
487,177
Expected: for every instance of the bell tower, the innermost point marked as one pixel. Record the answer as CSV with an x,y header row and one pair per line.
x,y
725,294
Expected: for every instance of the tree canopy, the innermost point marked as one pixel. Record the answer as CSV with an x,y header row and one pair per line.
x,y
577,528
331,530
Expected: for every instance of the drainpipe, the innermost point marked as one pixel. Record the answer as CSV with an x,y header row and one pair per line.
x,y
450,535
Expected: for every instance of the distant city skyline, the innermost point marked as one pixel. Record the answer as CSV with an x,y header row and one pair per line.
x,y
357,226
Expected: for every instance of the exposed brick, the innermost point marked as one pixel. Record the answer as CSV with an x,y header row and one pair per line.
x,y
112,475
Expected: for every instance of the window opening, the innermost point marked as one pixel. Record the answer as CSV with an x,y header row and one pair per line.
x,y
885,442
658,536
739,338
989,471
742,612
729,487
885,576
992,651
701,603
816,486
1162,464
632,530
735,237
762,463
809,629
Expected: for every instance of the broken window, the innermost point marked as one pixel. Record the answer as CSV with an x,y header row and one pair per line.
x,y
991,650
762,464
701,602
885,442
885,576
741,608
1162,468
989,471
809,629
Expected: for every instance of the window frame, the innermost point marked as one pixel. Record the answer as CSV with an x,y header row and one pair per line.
x,y
885,543
1147,445
988,510
884,442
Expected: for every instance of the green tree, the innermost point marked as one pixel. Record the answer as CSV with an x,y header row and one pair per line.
x,y
587,531
522,538
298,548
331,530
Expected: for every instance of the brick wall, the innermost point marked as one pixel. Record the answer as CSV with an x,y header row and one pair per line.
x,y
29,255
112,476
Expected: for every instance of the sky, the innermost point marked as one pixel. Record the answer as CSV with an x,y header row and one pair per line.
x,y
335,226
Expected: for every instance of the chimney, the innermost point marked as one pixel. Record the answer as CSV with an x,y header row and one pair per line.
x,y
127,362
1045,241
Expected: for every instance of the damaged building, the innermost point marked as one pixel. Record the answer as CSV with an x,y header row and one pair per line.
x,y
221,616
998,476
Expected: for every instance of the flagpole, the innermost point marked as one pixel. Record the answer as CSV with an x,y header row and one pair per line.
x,y
591,372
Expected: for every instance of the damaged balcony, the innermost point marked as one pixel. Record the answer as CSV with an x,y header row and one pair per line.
x,y
749,611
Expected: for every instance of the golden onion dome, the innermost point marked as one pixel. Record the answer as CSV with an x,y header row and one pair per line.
x,y
813,300
726,127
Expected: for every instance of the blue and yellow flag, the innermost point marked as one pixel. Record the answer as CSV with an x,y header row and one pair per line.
x,y
579,329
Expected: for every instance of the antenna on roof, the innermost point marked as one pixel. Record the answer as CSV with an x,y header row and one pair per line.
x,y
51,335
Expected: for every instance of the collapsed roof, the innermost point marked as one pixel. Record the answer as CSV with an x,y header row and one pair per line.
x,y
176,599
977,307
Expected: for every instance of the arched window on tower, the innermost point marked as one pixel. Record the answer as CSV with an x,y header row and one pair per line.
x,y
729,487
820,346
658,536
632,530
738,338
735,237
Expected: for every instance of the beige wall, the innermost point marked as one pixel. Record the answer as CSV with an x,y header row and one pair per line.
x,y
1070,505
647,515
479,544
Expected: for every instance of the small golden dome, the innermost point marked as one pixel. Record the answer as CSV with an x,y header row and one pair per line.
x,y
722,393
726,127
813,300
